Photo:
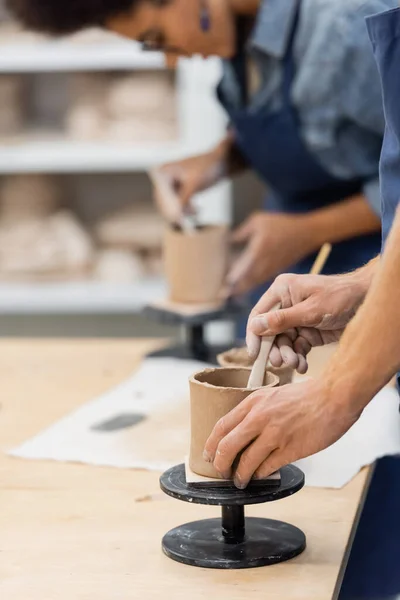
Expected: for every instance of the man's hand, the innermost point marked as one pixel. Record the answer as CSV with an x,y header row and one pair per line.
x,y
274,242
274,427
315,311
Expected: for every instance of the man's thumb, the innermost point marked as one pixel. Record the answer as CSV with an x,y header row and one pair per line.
x,y
279,321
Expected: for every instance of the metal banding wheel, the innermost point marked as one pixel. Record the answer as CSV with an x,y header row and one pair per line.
x,y
233,542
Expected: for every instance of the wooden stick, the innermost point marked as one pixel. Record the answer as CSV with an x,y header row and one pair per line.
x,y
321,259
257,374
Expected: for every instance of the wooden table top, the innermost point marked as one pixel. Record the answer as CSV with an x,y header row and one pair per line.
x,y
75,532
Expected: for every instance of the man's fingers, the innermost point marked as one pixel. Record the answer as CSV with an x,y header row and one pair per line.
x,y
278,293
271,298
253,339
232,444
225,426
311,335
302,346
275,461
277,361
251,459
253,343
279,321
302,367
289,356
275,357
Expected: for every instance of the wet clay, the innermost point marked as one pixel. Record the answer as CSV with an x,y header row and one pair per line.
x,y
196,264
213,394
238,357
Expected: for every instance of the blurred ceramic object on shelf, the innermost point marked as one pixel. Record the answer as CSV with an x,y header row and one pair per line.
x,y
37,238
123,108
12,110
86,114
142,108
85,123
118,266
141,130
27,197
93,35
137,227
89,89
144,94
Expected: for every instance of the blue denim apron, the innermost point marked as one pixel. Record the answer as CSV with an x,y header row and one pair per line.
x,y
384,32
273,146
373,569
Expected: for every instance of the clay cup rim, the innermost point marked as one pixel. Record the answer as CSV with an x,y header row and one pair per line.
x,y
232,358
209,373
235,357
201,230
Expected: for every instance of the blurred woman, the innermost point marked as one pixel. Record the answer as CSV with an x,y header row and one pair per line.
x,y
302,93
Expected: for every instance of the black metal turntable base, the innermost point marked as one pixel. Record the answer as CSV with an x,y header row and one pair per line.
x,y
233,542
195,346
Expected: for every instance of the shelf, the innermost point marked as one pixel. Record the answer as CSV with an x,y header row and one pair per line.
x,y
86,297
26,53
52,154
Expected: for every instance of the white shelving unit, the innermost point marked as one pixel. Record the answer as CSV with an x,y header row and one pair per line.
x,y
78,298
27,53
201,125
54,154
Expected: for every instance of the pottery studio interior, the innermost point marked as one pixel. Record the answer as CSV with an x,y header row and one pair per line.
x,y
198,201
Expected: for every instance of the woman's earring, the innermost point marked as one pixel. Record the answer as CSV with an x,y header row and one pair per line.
x,y
205,21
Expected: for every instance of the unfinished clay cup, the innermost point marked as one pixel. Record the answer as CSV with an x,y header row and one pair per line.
x,y
238,357
196,264
213,394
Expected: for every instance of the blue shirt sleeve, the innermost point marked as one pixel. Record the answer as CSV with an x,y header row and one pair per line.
x,y
361,96
372,191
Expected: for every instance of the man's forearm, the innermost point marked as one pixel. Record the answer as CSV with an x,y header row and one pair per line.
x,y
364,276
351,218
369,352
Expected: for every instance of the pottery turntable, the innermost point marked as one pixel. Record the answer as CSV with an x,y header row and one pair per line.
x,y
193,322
196,263
232,541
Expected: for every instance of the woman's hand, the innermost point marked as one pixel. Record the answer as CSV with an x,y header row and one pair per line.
x,y
275,241
274,427
315,311
186,178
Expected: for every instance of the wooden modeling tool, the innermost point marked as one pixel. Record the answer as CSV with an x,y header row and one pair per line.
x,y
257,373
169,204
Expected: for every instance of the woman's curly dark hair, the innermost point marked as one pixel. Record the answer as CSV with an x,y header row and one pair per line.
x,y
66,16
